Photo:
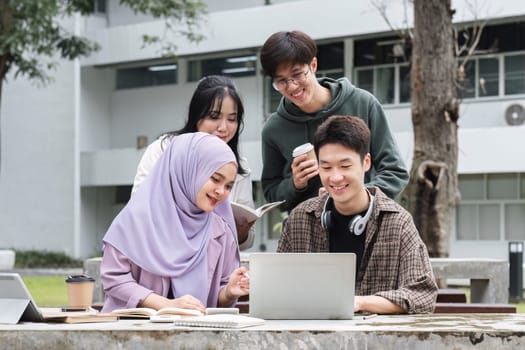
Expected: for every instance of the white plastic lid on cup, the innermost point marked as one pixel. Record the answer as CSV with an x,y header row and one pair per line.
x,y
304,148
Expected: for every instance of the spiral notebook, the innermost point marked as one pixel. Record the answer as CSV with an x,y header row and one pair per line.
x,y
210,321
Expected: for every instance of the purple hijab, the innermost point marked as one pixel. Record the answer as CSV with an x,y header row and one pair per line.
x,y
161,229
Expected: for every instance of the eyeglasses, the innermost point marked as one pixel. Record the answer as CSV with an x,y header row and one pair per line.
x,y
297,78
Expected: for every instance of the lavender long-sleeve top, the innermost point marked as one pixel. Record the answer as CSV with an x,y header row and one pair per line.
x,y
126,284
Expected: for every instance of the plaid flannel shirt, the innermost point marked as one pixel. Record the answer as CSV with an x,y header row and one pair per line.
x,y
395,264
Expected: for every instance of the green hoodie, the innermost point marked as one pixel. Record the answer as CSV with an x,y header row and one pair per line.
x,y
290,127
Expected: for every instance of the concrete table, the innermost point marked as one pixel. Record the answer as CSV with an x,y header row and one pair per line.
x,y
459,331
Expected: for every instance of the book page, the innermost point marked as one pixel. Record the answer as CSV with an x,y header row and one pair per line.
x,y
178,311
146,312
134,312
242,212
267,207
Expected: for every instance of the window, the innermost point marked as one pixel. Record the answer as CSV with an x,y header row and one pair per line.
x,y
152,75
466,222
381,82
377,51
472,186
522,187
488,228
481,78
404,84
488,77
492,207
502,186
274,97
385,81
515,74
365,79
330,60
496,68
100,6
477,222
234,66
514,228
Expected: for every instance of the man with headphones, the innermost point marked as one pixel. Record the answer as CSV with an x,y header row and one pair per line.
x,y
393,272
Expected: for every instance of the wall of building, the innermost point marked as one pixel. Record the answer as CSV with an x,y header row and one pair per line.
x,y
37,180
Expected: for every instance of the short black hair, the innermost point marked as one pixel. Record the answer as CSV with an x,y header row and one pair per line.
x,y
349,131
288,48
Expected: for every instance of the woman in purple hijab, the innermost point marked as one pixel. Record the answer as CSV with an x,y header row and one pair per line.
x,y
174,243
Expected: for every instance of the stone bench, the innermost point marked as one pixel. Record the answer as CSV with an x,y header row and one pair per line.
x,y
450,295
476,308
489,278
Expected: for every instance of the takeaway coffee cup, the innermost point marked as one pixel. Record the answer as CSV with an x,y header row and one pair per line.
x,y
80,291
305,148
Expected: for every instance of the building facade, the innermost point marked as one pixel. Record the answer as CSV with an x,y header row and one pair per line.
x,y
70,150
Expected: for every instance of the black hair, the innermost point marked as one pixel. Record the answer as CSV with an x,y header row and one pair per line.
x,y
351,132
288,48
210,91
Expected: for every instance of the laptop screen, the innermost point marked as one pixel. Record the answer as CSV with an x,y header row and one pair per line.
x,y
302,285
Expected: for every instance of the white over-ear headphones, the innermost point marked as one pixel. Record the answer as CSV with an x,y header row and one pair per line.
x,y
358,224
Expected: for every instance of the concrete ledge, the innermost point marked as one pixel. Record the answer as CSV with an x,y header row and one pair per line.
x,y
479,331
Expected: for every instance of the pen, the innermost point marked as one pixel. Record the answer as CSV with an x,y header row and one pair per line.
x,y
365,317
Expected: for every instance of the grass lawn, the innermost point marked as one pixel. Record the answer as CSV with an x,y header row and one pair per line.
x,y
47,291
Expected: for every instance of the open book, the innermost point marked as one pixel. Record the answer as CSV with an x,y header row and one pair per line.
x,y
145,312
211,321
242,212
89,316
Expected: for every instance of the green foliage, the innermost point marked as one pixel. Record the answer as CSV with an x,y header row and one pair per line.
x,y
31,33
31,30
35,258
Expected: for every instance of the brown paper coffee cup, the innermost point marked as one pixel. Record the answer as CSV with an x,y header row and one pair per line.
x,y
305,148
80,291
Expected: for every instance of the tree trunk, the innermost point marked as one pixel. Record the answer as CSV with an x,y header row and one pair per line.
x,y
432,192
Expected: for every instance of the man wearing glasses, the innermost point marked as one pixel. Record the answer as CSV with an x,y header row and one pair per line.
x,y
289,58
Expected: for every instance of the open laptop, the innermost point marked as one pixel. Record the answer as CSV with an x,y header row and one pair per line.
x,y
16,302
302,285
